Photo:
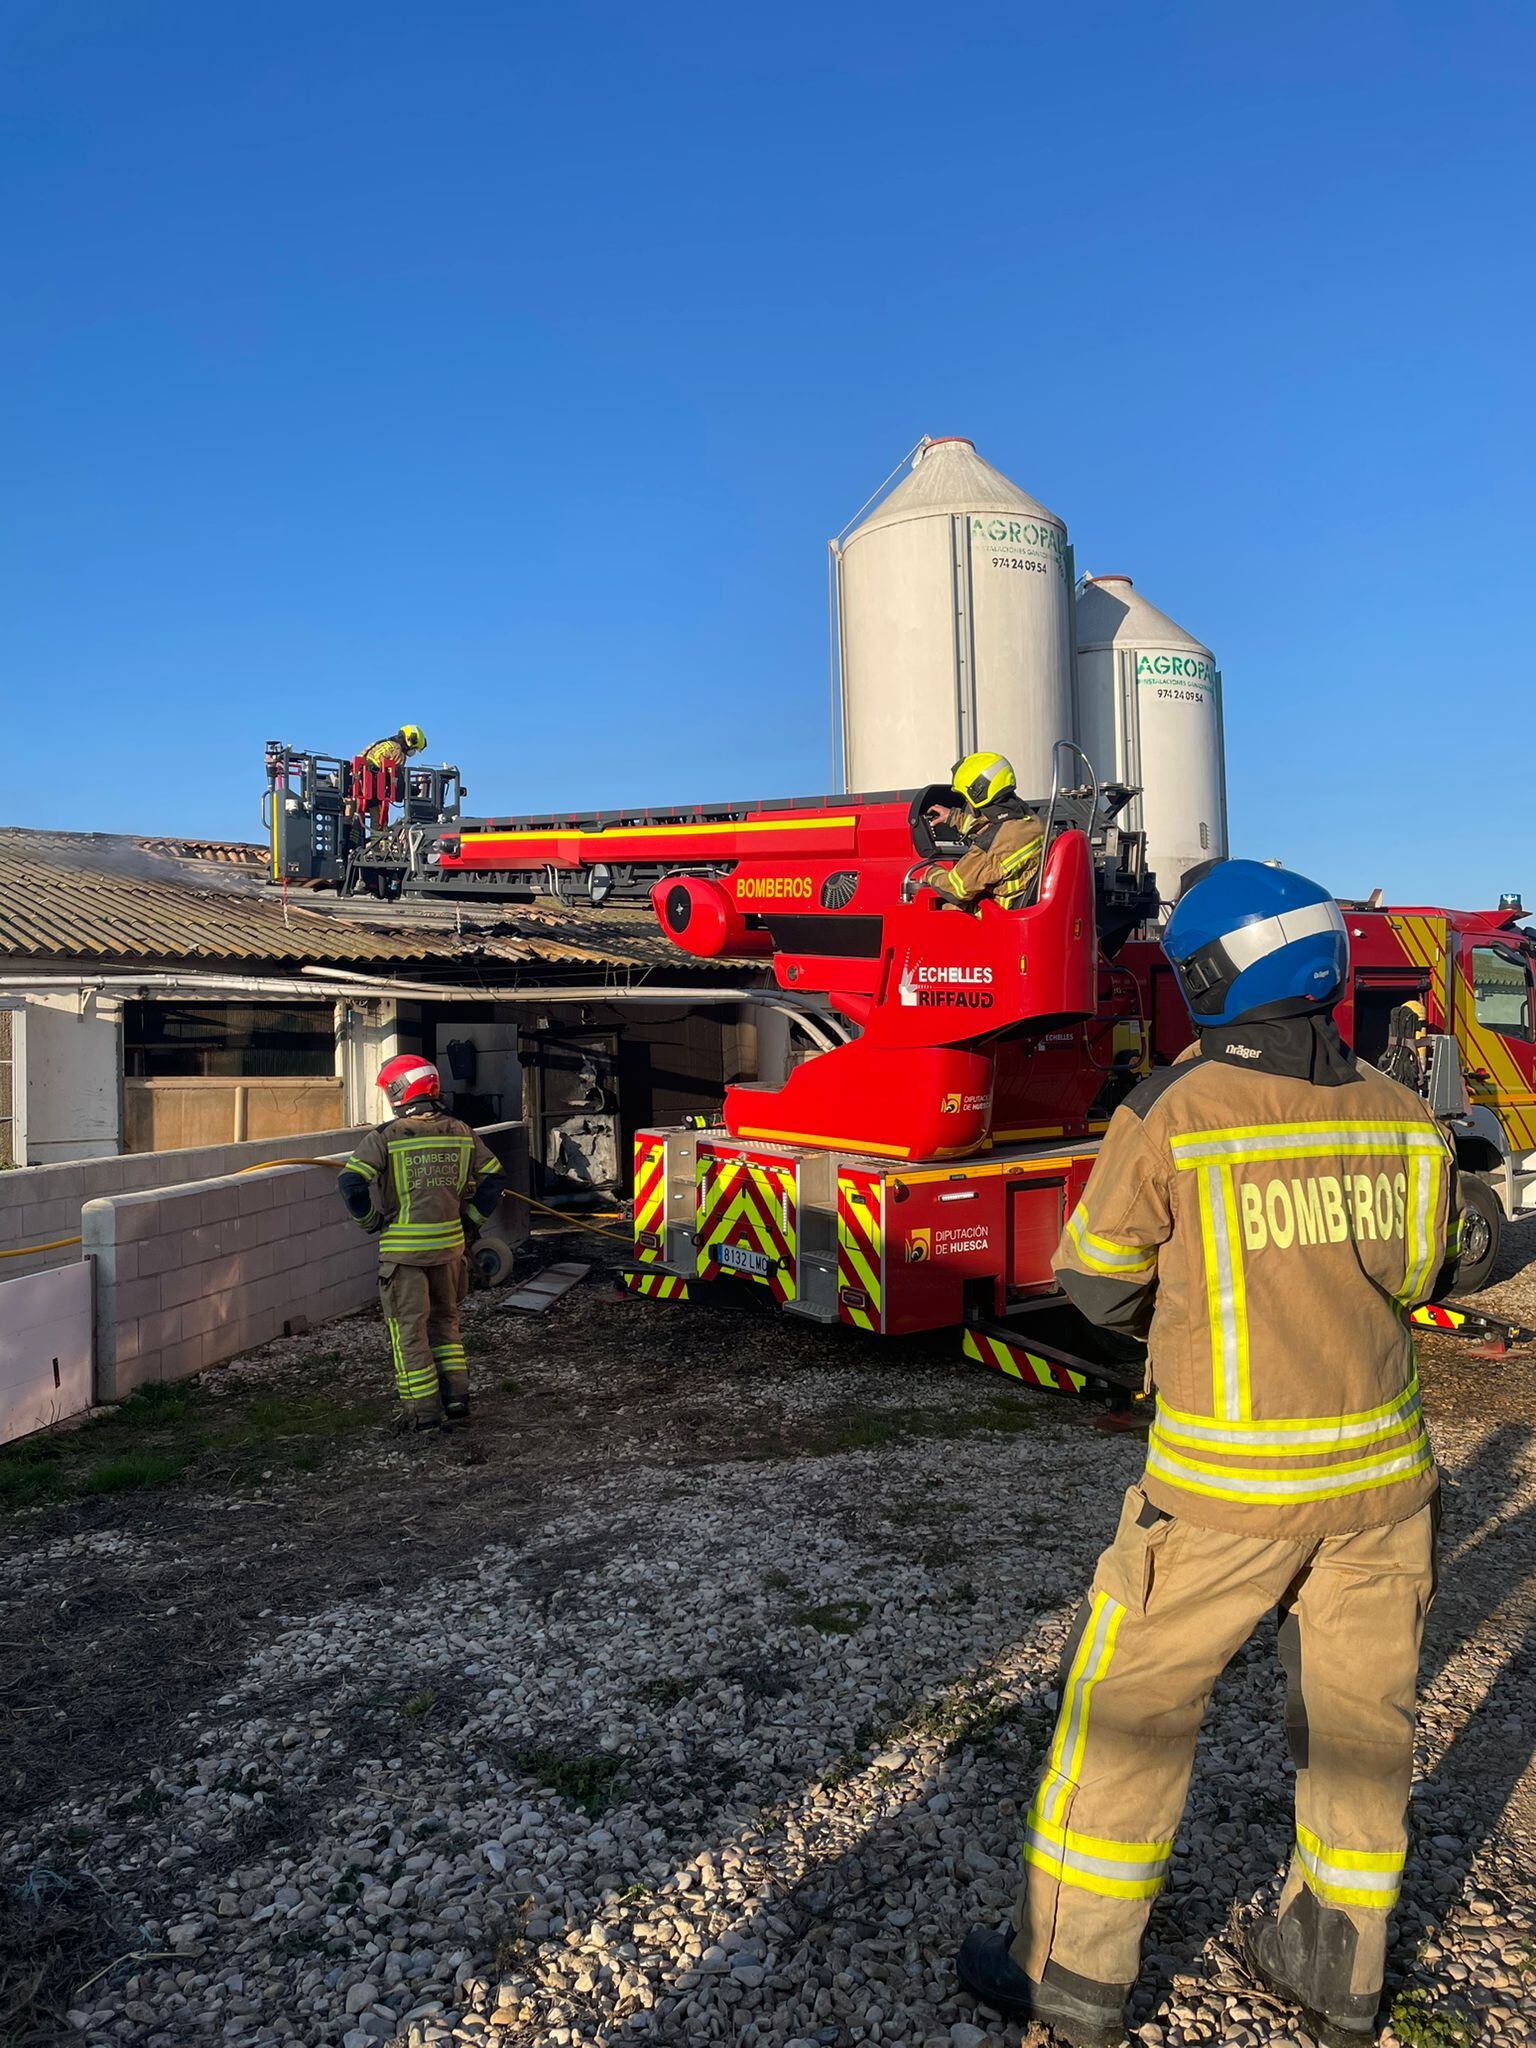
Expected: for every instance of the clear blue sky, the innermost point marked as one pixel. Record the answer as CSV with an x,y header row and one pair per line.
x,y
506,367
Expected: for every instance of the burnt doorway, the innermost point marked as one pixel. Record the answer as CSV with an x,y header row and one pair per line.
x,y
571,1101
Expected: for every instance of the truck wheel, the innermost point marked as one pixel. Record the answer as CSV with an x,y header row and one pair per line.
x,y
1481,1222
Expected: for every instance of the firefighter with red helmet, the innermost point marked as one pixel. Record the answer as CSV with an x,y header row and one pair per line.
x,y
1266,1212
416,1182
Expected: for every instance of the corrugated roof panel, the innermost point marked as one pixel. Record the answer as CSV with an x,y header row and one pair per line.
x,y
62,908
118,901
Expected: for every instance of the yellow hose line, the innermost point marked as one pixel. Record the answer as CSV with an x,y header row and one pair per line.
x,y
260,1165
563,1222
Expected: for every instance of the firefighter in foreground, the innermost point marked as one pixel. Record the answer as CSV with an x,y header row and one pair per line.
x,y
1266,1211
1003,836
417,1181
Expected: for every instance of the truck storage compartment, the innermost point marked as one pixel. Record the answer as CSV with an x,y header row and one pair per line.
x,y
1036,1214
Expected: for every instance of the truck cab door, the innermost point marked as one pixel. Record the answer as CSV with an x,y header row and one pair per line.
x,y
1496,1025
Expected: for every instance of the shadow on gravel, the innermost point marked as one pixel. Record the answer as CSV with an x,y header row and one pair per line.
x,y
1456,1812
1517,1250
1460,1807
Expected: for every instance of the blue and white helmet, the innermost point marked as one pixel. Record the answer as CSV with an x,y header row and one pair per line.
x,y
1244,936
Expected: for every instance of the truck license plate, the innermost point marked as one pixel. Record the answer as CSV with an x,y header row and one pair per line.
x,y
741,1258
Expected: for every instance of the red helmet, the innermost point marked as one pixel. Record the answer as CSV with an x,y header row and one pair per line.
x,y
409,1078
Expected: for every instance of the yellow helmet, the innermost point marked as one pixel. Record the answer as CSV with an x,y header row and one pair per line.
x,y
413,739
982,778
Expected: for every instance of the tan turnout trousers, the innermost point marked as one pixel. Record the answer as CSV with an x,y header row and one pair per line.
x,y
421,1312
1170,1604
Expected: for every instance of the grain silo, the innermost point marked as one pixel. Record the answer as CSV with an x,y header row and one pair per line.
x,y
1149,712
953,606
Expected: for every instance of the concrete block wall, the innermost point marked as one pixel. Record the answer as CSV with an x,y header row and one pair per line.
x,y
40,1203
190,1275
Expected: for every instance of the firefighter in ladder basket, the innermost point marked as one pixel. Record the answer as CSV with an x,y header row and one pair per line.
x,y
1266,1211
379,774
1004,838
417,1181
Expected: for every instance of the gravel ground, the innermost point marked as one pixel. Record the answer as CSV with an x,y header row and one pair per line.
x,y
694,1695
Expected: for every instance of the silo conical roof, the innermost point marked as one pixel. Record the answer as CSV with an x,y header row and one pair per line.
x,y
949,476
1112,613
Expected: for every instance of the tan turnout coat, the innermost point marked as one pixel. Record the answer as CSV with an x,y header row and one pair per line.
x,y
423,1171
1276,1233
1001,860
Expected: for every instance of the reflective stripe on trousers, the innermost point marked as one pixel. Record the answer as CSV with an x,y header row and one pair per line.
x,y
1171,1604
421,1314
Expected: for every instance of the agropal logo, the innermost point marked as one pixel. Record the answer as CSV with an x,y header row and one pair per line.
x,y
1174,668
1036,534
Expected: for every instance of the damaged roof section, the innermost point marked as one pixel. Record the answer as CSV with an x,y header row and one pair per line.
x,y
114,900
89,896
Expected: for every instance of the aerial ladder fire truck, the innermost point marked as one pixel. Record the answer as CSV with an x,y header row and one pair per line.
x,y
915,1176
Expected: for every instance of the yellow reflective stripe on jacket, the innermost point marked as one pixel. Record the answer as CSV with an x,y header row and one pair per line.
x,y
1017,872
1349,1877
1423,1201
1104,1255
361,1166
1259,1142
424,1237
1226,1296
1303,1433
1287,1484
1220,1134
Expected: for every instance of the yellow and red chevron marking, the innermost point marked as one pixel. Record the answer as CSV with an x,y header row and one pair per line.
x,y
1432,1317
1469,1322
861,1249
1020,1363
650,1197
659,1286
750,1200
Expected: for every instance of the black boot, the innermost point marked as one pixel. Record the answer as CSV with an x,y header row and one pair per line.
x,y
456,1408
408,1421
1306,1959
988,1972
